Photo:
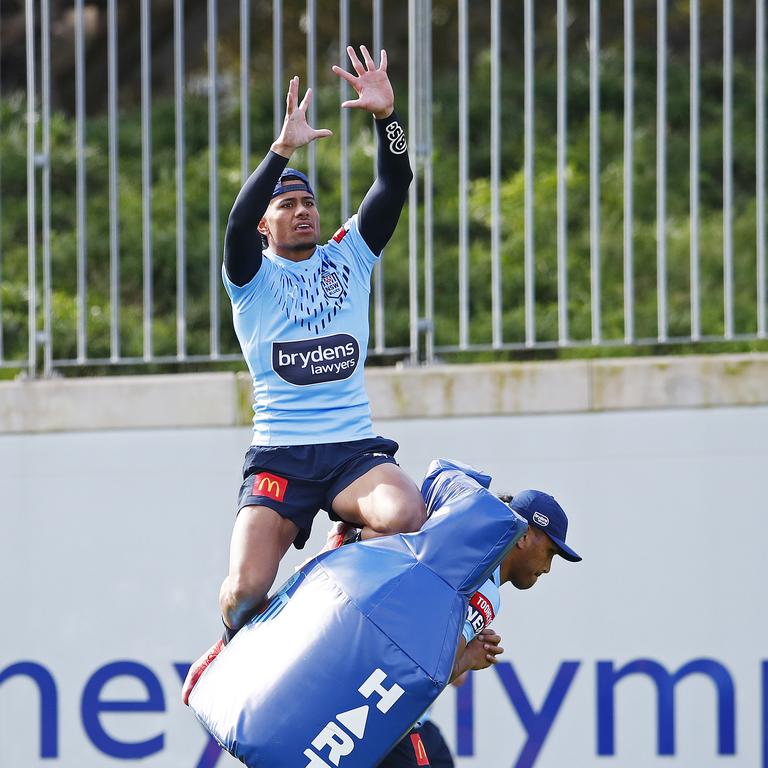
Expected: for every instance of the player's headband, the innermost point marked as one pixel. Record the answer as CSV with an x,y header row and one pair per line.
x,y
292,180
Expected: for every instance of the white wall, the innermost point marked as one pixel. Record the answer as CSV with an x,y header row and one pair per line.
x,y
114,544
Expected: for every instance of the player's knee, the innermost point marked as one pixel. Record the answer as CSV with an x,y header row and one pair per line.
x,y
406,513
414,514
246,589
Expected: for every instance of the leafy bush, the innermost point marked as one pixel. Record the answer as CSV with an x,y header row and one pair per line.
x,y
201,271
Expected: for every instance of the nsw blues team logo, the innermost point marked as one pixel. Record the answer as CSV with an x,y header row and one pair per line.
x,y
331,285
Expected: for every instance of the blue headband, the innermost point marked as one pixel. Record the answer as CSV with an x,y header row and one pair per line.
x,y
292,180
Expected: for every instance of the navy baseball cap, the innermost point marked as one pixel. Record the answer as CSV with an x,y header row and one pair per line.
x,y
292,180
543,512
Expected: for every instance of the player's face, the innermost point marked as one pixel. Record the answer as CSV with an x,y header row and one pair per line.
x,y
530,558
292,225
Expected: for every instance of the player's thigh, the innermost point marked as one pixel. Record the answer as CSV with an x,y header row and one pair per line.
x,y
290,480
260,538
383,498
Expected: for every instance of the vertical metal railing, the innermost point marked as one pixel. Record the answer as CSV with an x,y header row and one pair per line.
x,y
180,160
2,230
495,98
146,177
629,162
693,172
312,83
114,206
29,30
482,314
213,154
426,140
530,266
45,164
245,82
661,170
562,171
463,82
760,33
80,201
728,169
278,95
594,171
413,194
344,117
379,324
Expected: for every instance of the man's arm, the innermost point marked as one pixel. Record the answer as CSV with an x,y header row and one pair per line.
x,y
242,242
381,207
479,653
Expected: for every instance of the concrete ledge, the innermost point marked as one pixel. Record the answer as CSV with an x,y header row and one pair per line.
x,y
224,399
479,389
680,382
118,402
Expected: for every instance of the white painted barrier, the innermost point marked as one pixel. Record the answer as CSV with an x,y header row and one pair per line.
x,y
114,544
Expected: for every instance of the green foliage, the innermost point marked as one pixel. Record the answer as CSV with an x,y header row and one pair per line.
x,y
159,285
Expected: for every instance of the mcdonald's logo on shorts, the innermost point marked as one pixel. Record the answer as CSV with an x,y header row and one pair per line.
x,y
418,748
272,486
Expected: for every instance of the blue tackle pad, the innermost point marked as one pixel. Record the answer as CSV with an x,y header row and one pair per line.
x,y
361,640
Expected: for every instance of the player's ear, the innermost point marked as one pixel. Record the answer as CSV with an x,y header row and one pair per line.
x,y
263,228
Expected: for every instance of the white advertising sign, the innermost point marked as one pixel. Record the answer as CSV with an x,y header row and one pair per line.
x,y
651,652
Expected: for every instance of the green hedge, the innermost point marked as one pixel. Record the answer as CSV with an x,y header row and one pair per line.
x,y
13,216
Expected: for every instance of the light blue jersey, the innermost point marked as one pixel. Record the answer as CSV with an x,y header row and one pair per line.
x,y
303,329
483,607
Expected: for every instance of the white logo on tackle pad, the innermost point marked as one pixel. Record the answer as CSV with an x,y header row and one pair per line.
x,y
338,740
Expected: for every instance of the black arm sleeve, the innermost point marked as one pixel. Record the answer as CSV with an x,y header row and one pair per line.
x,y
384,201
242,241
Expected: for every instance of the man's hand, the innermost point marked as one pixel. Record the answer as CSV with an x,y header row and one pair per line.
x,y
480,653
374,91
296,131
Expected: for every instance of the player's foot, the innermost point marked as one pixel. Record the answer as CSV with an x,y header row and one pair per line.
x,y
341,533
198,668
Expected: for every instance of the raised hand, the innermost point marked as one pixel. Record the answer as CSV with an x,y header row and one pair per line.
x,y
374,91
296,131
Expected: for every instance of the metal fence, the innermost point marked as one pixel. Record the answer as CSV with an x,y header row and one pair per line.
x,y
589,189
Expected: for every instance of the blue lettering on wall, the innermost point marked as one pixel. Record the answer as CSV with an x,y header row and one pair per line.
x,y
607,677
465,717
537,724
92,706
765,714
49,712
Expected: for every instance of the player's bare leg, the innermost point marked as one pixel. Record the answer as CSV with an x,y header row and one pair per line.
x,y
382,501
260,538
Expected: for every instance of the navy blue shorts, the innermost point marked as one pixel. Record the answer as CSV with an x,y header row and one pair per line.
x,y
423,745
299,480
